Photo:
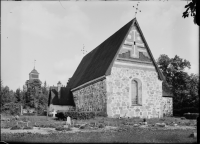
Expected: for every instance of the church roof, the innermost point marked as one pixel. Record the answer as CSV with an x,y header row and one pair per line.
x,y
98,62
65,96
34,71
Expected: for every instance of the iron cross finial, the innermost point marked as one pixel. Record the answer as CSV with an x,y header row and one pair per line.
x,y
137,9
83,50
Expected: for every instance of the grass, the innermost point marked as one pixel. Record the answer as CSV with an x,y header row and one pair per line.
x,y
134,135
124,133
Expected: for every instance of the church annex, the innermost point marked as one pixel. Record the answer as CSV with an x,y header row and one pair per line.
x,y
119,77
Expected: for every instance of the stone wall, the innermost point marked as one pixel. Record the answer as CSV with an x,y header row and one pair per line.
x,y
91,97
118,93
167,106
60,107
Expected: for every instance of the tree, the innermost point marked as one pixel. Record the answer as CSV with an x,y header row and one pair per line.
x,y
68,81
19,96
191,10
7,95
183,86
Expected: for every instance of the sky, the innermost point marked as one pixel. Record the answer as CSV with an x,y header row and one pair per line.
x,y
53,33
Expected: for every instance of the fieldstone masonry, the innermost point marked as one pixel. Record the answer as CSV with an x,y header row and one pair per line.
x,y
112,95
118,94
91,98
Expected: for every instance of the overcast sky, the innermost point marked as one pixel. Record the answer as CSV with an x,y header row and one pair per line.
x,y
53,33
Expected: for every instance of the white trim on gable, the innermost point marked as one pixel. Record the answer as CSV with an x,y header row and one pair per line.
x,y
134,64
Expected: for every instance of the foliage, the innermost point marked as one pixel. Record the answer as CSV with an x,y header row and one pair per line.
x,y
7,95
62,128
28,127
101,125
183,86
181,111
191,10
16,127
101,114
75,115
191,115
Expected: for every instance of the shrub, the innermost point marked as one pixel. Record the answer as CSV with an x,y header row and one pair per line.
x,y
101,114
191,115
60,115
101,125
75,115
16,127
28,127
180,112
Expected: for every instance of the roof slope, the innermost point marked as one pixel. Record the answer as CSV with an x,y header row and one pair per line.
x,y
66,97
96,63
34,71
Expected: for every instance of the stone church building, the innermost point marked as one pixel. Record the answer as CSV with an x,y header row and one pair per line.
x,y
119,77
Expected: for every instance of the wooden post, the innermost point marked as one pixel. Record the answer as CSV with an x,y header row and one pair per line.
x,y
47,111
21,110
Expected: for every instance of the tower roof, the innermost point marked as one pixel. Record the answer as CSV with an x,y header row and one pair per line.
x,y
34,71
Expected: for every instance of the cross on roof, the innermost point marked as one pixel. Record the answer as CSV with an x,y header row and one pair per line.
x,y
83,50
137,9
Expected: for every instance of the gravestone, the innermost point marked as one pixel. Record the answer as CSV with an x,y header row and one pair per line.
x,y
54,113
68,122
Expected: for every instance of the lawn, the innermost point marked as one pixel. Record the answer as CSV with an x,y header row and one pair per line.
x,y
125,131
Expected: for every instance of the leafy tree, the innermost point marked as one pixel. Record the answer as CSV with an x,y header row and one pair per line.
x,y
191,10
7,95
19,96
68,81
183,86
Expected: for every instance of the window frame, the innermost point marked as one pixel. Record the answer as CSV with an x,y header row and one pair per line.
x,y
139,91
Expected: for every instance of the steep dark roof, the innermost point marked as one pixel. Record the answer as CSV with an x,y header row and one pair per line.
x,y
34,71
66,97
96,63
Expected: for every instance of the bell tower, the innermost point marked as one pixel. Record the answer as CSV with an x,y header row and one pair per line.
x,y
33,74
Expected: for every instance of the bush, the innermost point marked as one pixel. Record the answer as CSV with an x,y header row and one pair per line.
x,y
101,114
182,111
28,127
101,125
60,115
16,127
191,115
75,115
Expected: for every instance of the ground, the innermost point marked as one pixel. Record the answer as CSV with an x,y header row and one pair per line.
x,y
113,130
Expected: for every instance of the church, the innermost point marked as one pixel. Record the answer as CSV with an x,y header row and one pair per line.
x,y
119,77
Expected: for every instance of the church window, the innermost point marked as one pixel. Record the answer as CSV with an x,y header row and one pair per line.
x,y
136,92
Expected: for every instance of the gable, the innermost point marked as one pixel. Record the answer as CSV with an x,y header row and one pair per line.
x,y
135,53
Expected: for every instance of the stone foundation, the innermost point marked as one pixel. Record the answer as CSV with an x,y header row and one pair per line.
x,y
167,106
60,107
91,98
118,93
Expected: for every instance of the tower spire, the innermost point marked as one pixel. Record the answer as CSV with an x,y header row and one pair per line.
x,y
34,64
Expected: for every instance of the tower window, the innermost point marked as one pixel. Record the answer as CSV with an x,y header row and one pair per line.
x,y
34,76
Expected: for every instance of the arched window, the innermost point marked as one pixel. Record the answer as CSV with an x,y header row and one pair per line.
x,y
136,92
